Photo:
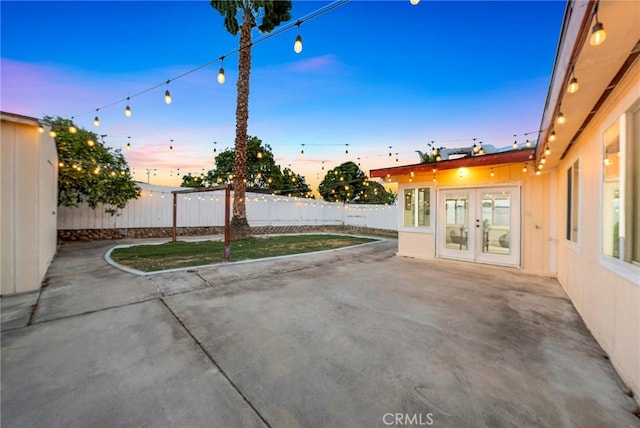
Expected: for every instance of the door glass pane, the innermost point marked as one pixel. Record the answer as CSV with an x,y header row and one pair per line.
x,y
456,211
424,207
496,222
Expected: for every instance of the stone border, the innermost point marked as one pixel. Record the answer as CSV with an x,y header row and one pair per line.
x,y
165,232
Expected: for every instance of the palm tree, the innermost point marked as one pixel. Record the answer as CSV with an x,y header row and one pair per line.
x,y
272,13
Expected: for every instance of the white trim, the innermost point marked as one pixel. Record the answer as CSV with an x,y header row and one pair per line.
x,y
626,270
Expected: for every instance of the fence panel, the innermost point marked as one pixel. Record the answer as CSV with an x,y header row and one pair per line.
x,y
154,209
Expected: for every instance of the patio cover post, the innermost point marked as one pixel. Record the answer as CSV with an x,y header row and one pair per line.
x,y
175,212
227,225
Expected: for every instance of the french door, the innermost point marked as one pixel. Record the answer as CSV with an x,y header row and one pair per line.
x,y
480,224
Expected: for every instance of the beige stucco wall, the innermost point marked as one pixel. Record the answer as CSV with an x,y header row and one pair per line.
x,y
537,228
606,294
28,203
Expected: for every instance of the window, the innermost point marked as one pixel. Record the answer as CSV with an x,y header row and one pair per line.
x,y
573,193
621,181
417,213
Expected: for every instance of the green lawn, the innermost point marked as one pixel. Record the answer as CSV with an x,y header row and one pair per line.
x,y
148,258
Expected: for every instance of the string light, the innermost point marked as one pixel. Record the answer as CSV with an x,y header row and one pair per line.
x,y
573,83
171,146
561,119
127,110
515,143
414,2
40,128
215,149
492,173
598,35
547,150
167,95
221,77
346,152
72,128
524,168
96,120
390,154
476,149
129,143
52,133
297,45
302,151
91,143
552,136
527,143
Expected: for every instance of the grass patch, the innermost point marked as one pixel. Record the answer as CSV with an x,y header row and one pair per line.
x,y
149,258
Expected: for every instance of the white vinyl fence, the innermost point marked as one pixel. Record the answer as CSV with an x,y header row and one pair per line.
x,y
155,209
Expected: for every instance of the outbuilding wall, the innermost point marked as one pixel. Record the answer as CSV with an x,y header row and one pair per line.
x,y
28,204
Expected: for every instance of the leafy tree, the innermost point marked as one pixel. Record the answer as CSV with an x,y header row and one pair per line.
x,y
88,171
270,13
262,172
348,183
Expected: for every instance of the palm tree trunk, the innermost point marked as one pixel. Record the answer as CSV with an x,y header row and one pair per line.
x,y
239,224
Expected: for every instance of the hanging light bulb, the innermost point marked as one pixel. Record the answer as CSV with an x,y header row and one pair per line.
x,y
481,149
167,97
492,173
540,166
215,149
561,118
40,128
302,151
96,121
129,143
91,143
573,83
515,143
171,146
346,152
221,77
414,2
127,110
390,154
527,143
547,150
259,154
297,45
52,133
475,146
543,160
552,136
73,129
524,168
598,35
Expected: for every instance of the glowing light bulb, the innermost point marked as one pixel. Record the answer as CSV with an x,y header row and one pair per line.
x,y
598,35
40,128
414,2
167,97
297,45
573,86
73,129
91,143
128,146
547,150
170,148
96,121
552,137
524,168
259,155
127,111
561,119
52,134
221,77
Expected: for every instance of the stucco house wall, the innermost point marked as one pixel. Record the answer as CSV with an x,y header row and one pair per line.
x,y
605,291
28,203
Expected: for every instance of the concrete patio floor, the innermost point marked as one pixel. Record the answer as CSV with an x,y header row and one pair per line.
x,y
350,338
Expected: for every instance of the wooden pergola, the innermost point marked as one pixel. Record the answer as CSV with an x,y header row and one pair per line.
x,y
227,206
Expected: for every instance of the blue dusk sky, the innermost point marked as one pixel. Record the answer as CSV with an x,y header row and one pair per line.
x,y
372,74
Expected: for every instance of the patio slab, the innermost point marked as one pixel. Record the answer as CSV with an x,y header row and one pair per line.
x,y
131,366
15,311
351,343
357,337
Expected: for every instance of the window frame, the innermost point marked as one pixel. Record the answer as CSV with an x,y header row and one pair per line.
x,y
623,264
572,203
416,228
